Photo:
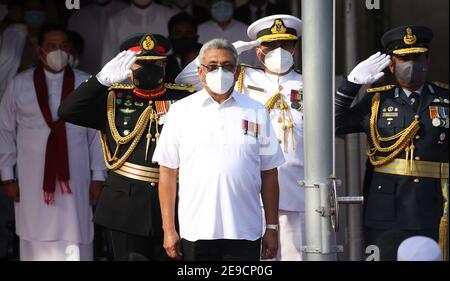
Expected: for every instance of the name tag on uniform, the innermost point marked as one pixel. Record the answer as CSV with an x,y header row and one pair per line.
x,y
250,128
254,88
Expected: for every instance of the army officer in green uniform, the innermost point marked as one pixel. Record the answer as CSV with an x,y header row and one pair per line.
x,y
130,118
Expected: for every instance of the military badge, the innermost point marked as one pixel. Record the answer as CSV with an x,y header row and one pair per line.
x,y
439,115
278,27
250,128
147,43
296,99
410,38
390,113
162,107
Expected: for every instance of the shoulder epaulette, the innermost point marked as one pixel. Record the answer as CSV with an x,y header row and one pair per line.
x,y
121,87
440,85
181,87
381,89
251,66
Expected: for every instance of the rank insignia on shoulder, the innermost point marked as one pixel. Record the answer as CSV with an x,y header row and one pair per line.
x,y
254,88
121,87
250,128
181,87
381,89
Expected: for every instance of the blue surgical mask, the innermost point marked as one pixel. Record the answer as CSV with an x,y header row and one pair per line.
x,y
222,11
34,19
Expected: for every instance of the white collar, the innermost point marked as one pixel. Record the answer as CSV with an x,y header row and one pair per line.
x,y
188,9
140,11
206,99
230,25
279,79
408,92
54,76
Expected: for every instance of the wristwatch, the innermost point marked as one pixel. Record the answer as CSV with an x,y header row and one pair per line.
x,y
272,226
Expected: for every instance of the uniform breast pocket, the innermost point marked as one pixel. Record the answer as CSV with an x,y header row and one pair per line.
x,y
390,125
381,200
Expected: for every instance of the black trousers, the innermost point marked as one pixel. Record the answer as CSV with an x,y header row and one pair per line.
x,y
130,247
221,250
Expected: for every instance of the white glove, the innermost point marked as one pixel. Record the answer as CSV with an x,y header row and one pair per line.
x,y
118,69
370,70
242,46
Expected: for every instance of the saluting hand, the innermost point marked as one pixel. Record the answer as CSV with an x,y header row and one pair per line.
x,y
370,70
242,46
118,69
172,244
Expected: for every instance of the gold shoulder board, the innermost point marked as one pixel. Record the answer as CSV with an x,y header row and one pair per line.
x,y
182,87
381,89
440,85
121,87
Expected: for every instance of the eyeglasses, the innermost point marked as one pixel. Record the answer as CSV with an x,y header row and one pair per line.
x,y
228,67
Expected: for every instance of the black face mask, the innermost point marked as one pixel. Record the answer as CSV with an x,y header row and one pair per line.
x,y
180,45
148,77
411,72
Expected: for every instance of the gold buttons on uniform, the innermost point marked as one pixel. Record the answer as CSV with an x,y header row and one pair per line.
x,y
152,184
417,137
416,180
417,158
379,187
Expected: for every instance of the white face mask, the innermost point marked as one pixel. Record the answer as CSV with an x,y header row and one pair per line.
x,y
73,62
279,61
57,60
142,2
3,11
220,81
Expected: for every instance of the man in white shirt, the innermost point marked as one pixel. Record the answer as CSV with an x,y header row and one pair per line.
x,y
90,22
56,162
224,147
142,16
279,87
223,25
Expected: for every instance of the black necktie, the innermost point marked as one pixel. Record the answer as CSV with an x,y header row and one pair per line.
x,y
415,101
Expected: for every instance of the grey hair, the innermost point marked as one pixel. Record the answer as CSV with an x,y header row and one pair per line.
x,y
218,43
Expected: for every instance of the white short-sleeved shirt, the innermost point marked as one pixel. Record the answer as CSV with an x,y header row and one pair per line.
x,y
219,165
